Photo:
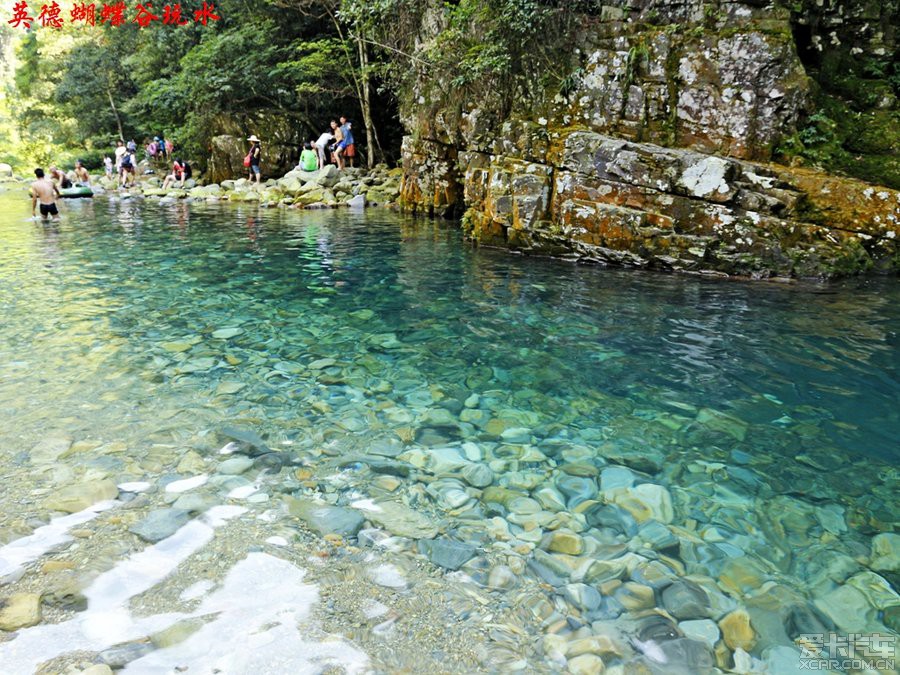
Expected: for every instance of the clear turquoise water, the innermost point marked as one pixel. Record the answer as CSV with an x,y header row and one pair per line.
x,y
86,306
769,412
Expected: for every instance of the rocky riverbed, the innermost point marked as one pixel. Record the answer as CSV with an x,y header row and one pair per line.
x,y
517,547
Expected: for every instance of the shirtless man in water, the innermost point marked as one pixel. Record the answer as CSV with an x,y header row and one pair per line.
x,y
81,174
44,189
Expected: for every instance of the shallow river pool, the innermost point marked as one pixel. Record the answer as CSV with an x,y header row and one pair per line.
x,y
236,440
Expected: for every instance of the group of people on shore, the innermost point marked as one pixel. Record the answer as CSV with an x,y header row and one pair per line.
x,y
157,149
335,146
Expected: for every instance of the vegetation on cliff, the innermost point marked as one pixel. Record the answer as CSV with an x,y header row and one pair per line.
x,y
429,64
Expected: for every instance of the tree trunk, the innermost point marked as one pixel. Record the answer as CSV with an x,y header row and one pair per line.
x,y
112,104
365,102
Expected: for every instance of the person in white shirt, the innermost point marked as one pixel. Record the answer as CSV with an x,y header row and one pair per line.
x,y
321,144
120,152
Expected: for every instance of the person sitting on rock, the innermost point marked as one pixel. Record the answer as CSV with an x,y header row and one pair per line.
x,y
82,176
309,161
181,170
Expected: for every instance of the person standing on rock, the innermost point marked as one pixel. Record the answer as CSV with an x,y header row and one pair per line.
x,y
320,146
44,190
126,168
120,152
254,157
346,150
338,139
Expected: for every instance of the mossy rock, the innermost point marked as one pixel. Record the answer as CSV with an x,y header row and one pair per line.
x,y
310,197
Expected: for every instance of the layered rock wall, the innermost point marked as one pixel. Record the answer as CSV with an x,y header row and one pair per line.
x,y
652,153
611,201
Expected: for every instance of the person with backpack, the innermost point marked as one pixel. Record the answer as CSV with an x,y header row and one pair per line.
x,y
251,161
126,167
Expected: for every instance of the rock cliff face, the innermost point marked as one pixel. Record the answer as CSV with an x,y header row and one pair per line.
x,y
653,152
280,147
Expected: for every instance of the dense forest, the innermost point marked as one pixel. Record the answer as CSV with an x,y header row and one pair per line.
x,y
284,68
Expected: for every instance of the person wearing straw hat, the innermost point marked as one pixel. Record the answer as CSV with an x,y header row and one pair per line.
x,y
254,155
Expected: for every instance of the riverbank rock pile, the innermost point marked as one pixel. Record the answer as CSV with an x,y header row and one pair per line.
x,y
327,188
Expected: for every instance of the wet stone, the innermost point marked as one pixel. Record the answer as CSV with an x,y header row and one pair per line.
x,y
74,498
235,466
600,571
692,656
121,655
401,520
160,524
742,575
502,577
646,501
478,475
389,576
576,489
581,469
582,596
885,553
97,669
446,553
615,477
524,506
634,597
20,610
326,519
686,600
50,449
657,536
562,541
546,573
848,608
586,664
702,630
612,517
516,435
737,631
